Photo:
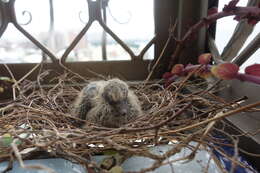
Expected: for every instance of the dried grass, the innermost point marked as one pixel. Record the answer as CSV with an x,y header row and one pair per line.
x,y
39,119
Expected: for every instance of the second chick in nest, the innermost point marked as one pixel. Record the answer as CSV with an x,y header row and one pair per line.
x,y
108,103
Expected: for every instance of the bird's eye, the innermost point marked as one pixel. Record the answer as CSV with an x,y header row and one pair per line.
x,y
112,102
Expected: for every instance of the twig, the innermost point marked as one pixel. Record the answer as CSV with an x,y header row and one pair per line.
x,y
224,115
11,74
208,129
235,156
39,120
10,163
125,130
171,31
20,80
20,160
69,70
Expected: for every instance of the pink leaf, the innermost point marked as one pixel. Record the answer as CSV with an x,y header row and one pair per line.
x,y
237,18
231,5
167,75
253,70
205,58
212,10
252,21
177,69
225,71
205,74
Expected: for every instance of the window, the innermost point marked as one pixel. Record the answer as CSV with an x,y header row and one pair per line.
x,y
125,18
61,26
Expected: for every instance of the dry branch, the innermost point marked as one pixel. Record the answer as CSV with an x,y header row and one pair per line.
x,y
39,119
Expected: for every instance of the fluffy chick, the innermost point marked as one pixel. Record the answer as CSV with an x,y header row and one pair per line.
x,y
108,103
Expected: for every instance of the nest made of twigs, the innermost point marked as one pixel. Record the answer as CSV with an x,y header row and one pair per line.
x,y
39,119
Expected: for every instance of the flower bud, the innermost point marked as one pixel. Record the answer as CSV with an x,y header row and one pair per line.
x,y
167,75
177,69
205,58
225,71
205,74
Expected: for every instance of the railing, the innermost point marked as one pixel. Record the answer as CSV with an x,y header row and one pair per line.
x,y
137,67
97,12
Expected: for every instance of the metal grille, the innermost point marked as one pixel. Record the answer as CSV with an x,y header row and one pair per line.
x,y
137,67
97,12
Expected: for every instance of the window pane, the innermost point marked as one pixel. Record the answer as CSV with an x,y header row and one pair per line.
x,y
89,47
16,48
126,19
115,51
132,21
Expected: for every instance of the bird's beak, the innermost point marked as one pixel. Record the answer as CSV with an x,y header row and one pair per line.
x,y
122,108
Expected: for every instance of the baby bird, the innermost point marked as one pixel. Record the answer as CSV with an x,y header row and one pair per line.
x,y
107,103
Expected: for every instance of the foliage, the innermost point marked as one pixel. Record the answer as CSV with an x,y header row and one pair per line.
x,y
225,71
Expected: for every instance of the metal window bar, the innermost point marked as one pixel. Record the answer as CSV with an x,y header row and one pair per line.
x,y
9,16
167,10
104,35
95,14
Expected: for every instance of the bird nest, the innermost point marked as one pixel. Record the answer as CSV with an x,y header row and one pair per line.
x,y
38,121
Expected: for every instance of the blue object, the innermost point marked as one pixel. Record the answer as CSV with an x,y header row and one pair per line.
x,y
228,163
135,163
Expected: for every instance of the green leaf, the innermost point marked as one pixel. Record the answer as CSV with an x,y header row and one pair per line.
x,y
6,140
108,163
18,142
3,78
116,169
2,89
110,152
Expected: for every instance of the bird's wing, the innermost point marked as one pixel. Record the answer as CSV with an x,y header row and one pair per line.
x,y
83,103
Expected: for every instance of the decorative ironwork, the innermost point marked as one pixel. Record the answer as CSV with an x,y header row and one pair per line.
x,y
8,16
104,34
81,19
116,20
97,12
30,17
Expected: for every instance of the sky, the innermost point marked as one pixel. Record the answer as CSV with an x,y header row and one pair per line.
x,y
67,17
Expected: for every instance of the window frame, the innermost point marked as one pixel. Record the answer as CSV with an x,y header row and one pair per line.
x,y
167,9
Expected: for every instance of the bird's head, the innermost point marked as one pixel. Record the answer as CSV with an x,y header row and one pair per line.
x,y
116,94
